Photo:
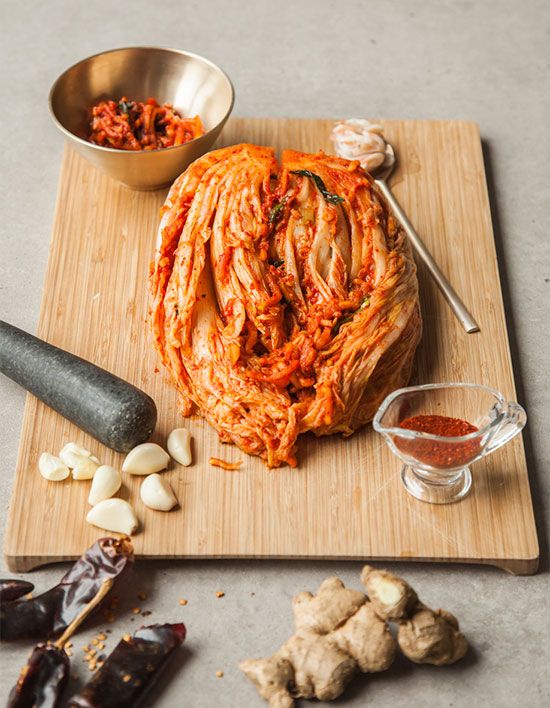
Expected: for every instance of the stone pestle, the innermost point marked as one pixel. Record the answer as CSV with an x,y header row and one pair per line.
x,y
110,409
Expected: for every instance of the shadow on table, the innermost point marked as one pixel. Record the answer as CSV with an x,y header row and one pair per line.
x,y
176,664
538,503
402,668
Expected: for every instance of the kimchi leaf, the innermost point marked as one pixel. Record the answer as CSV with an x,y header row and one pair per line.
x,y
328,196
275,213
125,106
349,316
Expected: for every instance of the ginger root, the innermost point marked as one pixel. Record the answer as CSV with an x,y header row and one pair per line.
x,y
341,631
337,634
425,636
391,596
431,637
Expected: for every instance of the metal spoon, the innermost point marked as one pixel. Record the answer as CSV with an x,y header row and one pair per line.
x,y
380,175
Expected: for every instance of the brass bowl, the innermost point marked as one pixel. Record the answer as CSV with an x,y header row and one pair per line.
x,y
194,85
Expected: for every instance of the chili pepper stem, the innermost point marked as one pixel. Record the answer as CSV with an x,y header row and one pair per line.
x,y
94,602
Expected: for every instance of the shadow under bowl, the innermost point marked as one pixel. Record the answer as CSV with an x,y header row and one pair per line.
x,y
192,84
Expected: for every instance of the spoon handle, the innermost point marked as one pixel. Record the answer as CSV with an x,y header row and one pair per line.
x,y
456,304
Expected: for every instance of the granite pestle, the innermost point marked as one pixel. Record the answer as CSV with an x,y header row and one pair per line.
x,y
110,409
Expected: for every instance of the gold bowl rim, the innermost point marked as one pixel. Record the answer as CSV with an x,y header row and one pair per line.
x,y
119,151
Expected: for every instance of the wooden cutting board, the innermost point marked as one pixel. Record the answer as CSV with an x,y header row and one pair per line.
x,y
345,500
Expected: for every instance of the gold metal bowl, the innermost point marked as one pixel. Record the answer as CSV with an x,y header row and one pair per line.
x,y
194,85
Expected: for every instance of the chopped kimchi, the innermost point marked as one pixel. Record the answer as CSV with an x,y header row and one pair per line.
x,y
138,125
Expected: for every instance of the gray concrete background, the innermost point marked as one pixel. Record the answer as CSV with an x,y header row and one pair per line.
x,y
482,61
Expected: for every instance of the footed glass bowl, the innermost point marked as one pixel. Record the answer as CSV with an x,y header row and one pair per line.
x,y
436,467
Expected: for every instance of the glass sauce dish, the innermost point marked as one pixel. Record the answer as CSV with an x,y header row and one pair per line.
x,y
436,468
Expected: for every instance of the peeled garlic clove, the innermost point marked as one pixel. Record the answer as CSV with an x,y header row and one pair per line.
x,y
73,455
52,468
179,446
113,515
146,459
106,482
85,469
156,493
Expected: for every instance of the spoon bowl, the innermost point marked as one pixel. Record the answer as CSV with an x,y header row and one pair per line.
x,y
382,172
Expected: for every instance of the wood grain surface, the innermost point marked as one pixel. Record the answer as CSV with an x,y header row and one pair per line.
x,y
345,500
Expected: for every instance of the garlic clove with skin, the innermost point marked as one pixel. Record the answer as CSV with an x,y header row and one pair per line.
x,y
156,493
106,482
52,468
179,446
113,515
146,459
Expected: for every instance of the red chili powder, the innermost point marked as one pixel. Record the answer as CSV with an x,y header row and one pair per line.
x,y
434,453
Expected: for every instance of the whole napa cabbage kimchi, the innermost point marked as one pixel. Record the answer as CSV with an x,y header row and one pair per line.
x,y
284,297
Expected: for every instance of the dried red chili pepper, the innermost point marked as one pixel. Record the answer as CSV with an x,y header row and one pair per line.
x,y
45,675
12,589
435,453
42,679
52,612
131,669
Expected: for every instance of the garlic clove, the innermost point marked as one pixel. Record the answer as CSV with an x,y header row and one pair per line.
x,y
179,446
146,459
52,468
85,469
105,483
72,454
156,493
113,515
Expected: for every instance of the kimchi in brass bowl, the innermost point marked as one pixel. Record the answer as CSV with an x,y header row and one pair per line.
x,y
192,84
